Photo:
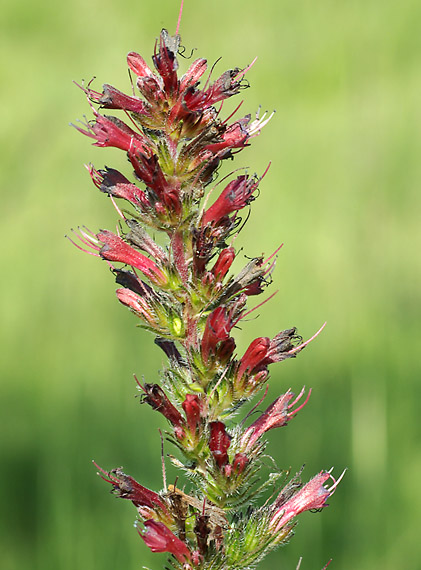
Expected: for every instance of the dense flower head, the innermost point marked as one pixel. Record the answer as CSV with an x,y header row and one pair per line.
x,y
172,256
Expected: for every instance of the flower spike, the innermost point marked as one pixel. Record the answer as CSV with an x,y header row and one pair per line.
x,y
173,257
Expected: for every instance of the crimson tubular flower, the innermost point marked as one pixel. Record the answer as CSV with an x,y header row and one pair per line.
x,y
278,414
160,539
181,288
312,496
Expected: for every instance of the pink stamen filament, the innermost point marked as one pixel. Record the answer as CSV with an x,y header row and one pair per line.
x,y
179,17
296,400
233,113
210,73
241,73
105,475
273,254
297,348
256,405
254,308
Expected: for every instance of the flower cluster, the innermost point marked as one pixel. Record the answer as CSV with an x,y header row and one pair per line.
x,y
183,292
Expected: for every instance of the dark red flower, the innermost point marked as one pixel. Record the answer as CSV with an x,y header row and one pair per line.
x,y
227,85
217,329
263,351
128,488
165,61
219,442
112,98
253,356
159,538
112,182
252,274
235,136
192,407
240,462
235,196
157,399
168,346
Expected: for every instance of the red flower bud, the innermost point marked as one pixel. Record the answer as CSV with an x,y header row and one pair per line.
x,y
236,136
192,408
225,350
223,263
165,61
217,328
193,74
240,462
235,196
148,83
159,538
138,65
219,443
138,304
253,356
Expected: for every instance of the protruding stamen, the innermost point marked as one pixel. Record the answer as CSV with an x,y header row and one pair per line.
x,y
255,308
179,17
301,346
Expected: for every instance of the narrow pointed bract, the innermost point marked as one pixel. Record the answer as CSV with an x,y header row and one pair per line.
x,y
172,256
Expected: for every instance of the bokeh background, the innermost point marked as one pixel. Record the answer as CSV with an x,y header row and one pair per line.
x,y
343,193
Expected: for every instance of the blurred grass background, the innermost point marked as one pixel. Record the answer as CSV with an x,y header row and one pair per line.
x,y
343,193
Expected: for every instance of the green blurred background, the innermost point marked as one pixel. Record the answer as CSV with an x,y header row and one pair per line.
x,y
343,193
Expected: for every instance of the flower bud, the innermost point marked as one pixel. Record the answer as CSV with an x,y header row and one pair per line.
x,y
219,443
192,408
240,462
223,263
217,328
159,538
254,356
